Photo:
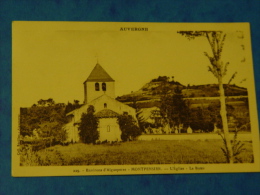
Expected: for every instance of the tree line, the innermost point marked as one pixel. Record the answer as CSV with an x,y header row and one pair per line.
x,y
44,120
178,112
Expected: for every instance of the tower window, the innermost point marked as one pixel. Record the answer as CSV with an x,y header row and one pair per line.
x,y
108,128
97,86
104,86
105,105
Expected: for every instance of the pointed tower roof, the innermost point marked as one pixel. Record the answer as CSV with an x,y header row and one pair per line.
x,y
99,74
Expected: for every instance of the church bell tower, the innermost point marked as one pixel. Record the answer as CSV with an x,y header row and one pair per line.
x,y
98,83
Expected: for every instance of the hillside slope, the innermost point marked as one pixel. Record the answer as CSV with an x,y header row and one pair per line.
x,y
151,93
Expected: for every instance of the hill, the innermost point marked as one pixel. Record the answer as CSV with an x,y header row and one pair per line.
x,y
150,94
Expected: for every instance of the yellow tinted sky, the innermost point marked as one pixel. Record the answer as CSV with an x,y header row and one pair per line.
x,y
53,59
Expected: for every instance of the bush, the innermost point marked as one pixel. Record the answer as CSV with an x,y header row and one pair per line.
x,y
88,126
129,128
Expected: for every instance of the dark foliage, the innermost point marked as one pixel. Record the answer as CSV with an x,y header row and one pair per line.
x,y
174,108
129,128
46,119
161,79
88,126
70,107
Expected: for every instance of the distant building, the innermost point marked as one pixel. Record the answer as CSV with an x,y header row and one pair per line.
x,y
99,91
151,115
44,103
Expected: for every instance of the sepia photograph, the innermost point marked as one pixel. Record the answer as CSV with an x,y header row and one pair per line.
x,y
114,98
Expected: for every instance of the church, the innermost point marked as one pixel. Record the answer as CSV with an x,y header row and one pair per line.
x,y
99,91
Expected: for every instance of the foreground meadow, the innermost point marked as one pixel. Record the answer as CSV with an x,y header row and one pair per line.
x,y
136,152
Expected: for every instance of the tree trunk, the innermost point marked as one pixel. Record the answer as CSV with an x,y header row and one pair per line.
x,y
223,114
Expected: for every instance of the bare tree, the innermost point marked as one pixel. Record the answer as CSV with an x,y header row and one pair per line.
x,y
218,68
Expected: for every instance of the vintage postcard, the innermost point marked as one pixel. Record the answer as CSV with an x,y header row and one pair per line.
x,y
111,98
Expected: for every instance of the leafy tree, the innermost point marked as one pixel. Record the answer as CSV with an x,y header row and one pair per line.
x,y
28,121
48,102
88,128
129,128
48,120
70,106
161,79
201,118
174,109
218,68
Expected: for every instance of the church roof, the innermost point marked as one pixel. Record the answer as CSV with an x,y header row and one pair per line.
x,y
99,74
106,113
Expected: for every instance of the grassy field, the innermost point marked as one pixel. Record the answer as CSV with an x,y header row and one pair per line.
x,y
136,152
